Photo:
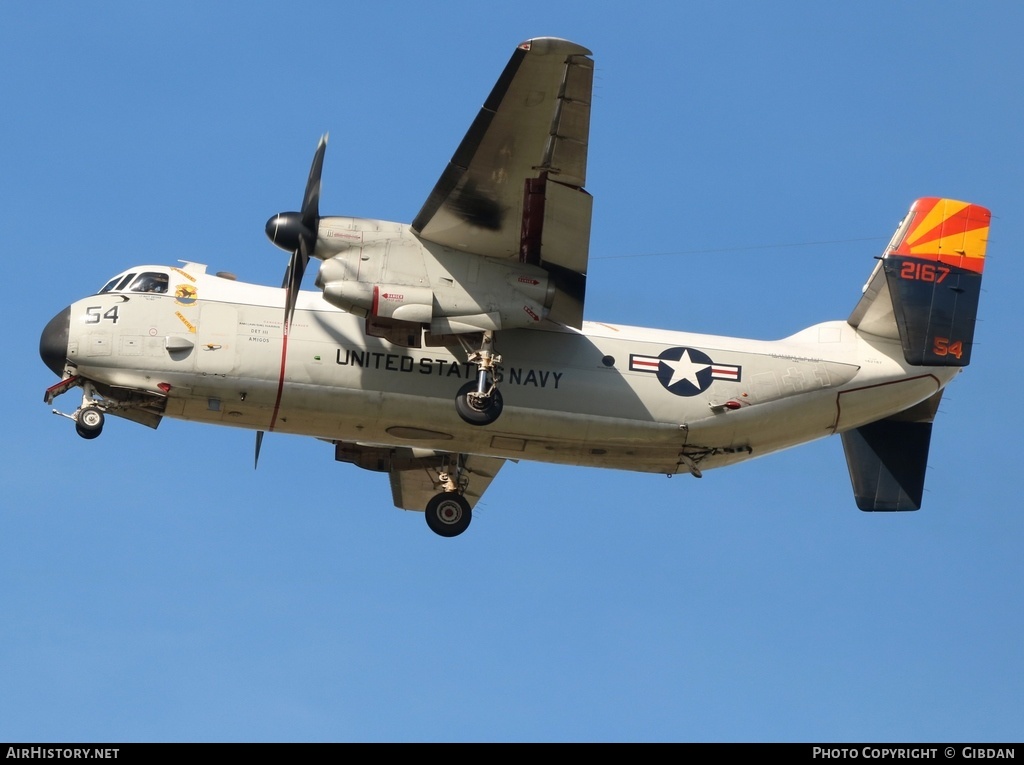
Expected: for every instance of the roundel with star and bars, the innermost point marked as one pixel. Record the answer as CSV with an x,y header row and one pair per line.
x,y
684,371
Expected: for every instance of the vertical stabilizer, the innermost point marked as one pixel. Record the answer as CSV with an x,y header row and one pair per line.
x,y
932,272
888,459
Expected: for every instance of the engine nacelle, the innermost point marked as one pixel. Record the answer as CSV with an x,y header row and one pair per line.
x,y
382,301
407,303
452,292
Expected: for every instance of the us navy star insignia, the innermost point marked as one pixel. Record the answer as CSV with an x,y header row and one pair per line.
x,y
684,371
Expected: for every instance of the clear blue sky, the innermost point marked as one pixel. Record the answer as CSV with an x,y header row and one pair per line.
x,y
153,587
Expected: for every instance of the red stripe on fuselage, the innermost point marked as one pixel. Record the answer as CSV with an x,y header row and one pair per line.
x,y
646,364
280,379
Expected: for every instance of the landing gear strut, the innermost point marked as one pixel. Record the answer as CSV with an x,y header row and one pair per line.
x,y
448,513
480,402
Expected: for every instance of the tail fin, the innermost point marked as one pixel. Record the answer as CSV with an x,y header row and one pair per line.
x,y
887,459
925,290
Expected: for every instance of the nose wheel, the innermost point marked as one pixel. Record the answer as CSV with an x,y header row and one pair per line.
x,y
89,422
89,417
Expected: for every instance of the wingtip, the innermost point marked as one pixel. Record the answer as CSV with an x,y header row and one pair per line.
x,y
554,45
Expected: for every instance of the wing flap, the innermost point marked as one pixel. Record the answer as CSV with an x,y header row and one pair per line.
x,y
570,129
565,238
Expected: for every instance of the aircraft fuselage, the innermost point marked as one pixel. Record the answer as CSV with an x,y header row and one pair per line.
x,y
210,350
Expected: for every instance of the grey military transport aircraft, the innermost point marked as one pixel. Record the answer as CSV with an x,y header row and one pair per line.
x,y
435,351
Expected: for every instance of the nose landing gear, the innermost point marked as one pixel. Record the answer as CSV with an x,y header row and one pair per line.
x,y
89,417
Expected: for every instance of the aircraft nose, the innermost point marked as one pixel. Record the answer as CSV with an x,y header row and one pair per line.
x,y
53,345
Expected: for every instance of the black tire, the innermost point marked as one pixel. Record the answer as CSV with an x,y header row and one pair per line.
x,y
448,514
89,422
473,413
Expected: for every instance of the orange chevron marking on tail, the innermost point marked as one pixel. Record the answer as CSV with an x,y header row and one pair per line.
x,y
947,231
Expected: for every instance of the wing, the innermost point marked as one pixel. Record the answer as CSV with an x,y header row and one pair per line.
x,y
514,188
413,486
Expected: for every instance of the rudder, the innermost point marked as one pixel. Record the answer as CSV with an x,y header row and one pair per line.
x,y
933,269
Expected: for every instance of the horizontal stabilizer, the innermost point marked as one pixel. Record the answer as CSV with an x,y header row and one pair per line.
x,y
888,459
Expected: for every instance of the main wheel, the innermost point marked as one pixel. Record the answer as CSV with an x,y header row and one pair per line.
x,y
448,514
478,411
89,422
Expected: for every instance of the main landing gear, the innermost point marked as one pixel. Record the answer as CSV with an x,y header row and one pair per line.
x,y
479,402
448,513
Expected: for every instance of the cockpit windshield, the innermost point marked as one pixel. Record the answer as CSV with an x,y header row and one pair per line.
x,y
148,281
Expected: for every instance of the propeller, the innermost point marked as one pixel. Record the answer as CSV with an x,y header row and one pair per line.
x,y
296,232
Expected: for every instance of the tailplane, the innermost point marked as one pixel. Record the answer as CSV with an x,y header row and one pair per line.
x,y
925,289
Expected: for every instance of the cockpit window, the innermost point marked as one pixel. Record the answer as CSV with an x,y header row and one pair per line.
x,y
150,281
153,282
110,285
119,282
